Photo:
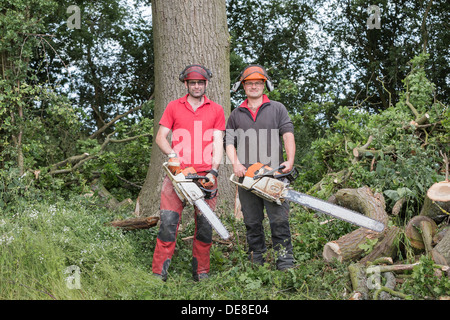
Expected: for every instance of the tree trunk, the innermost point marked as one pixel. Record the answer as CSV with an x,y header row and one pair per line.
x,y
187,32
362,200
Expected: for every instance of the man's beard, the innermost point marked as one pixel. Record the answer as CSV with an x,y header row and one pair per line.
x,y
197,94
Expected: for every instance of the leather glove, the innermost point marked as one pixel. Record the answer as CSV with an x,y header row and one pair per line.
x,y
210,184
173,164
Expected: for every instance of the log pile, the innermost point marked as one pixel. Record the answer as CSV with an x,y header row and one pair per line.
x,y
428,234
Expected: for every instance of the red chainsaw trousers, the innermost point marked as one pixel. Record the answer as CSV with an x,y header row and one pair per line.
x,y
171,208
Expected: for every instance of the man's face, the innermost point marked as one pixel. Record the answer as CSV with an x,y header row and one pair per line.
x,y
254,88
196,88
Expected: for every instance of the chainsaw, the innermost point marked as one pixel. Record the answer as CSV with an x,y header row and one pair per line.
x,y
274,186
188,188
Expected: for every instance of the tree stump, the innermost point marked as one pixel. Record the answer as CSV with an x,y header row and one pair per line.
x,y
362,200
437,202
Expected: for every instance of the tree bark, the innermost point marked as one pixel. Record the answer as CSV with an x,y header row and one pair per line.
x,y
437,202
364,201
358,278
135,223
187,32
442,250
386,248
420,231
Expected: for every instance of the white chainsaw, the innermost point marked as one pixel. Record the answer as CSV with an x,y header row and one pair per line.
x,y
188,188
274,186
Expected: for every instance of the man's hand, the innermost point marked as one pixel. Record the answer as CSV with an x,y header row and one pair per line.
x,y
209,184
174,165
239,170
288,166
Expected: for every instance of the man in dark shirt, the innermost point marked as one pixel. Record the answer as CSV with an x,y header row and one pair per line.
x,y
255,132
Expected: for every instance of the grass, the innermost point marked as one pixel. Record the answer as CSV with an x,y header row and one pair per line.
x,y
65,250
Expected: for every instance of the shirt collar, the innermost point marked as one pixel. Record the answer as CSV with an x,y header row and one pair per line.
x,y
245,103
205,101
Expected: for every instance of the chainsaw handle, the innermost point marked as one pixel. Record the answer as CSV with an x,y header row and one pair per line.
x,y
269,173
197,177
291,175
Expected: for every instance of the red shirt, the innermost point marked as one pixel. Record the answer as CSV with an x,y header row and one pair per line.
x,y
245,105
192,131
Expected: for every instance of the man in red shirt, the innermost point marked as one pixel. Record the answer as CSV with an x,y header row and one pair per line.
x,y
197,126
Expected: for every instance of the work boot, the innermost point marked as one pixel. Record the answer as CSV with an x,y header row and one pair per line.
x,y
201,277
160,277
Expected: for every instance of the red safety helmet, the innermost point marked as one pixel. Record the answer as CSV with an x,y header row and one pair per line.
x,y
195,72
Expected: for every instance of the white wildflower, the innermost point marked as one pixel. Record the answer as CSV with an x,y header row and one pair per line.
x,y
4,239
34,213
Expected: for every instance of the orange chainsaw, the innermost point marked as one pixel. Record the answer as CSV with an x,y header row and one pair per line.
x,y
188,188
274,186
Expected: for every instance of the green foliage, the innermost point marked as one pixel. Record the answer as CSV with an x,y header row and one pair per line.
x,y
425,281
401,161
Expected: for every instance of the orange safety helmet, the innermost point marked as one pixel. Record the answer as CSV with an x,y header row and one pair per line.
x,y
254,72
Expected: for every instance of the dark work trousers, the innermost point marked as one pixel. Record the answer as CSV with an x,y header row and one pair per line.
x,y
253,211
171,208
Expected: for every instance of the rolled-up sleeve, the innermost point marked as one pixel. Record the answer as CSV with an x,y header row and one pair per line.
x,y
230,136
285,123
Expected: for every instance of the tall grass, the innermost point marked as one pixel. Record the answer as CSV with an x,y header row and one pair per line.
x,y
66,250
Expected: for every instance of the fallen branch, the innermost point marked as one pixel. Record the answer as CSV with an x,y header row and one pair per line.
x,y
107,125
81,159
135,223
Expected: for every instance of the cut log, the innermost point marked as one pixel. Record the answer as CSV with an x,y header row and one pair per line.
x,y
385,248
440,191
437,202
358,278
136,223
442,250
420,231
364,201
398,206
